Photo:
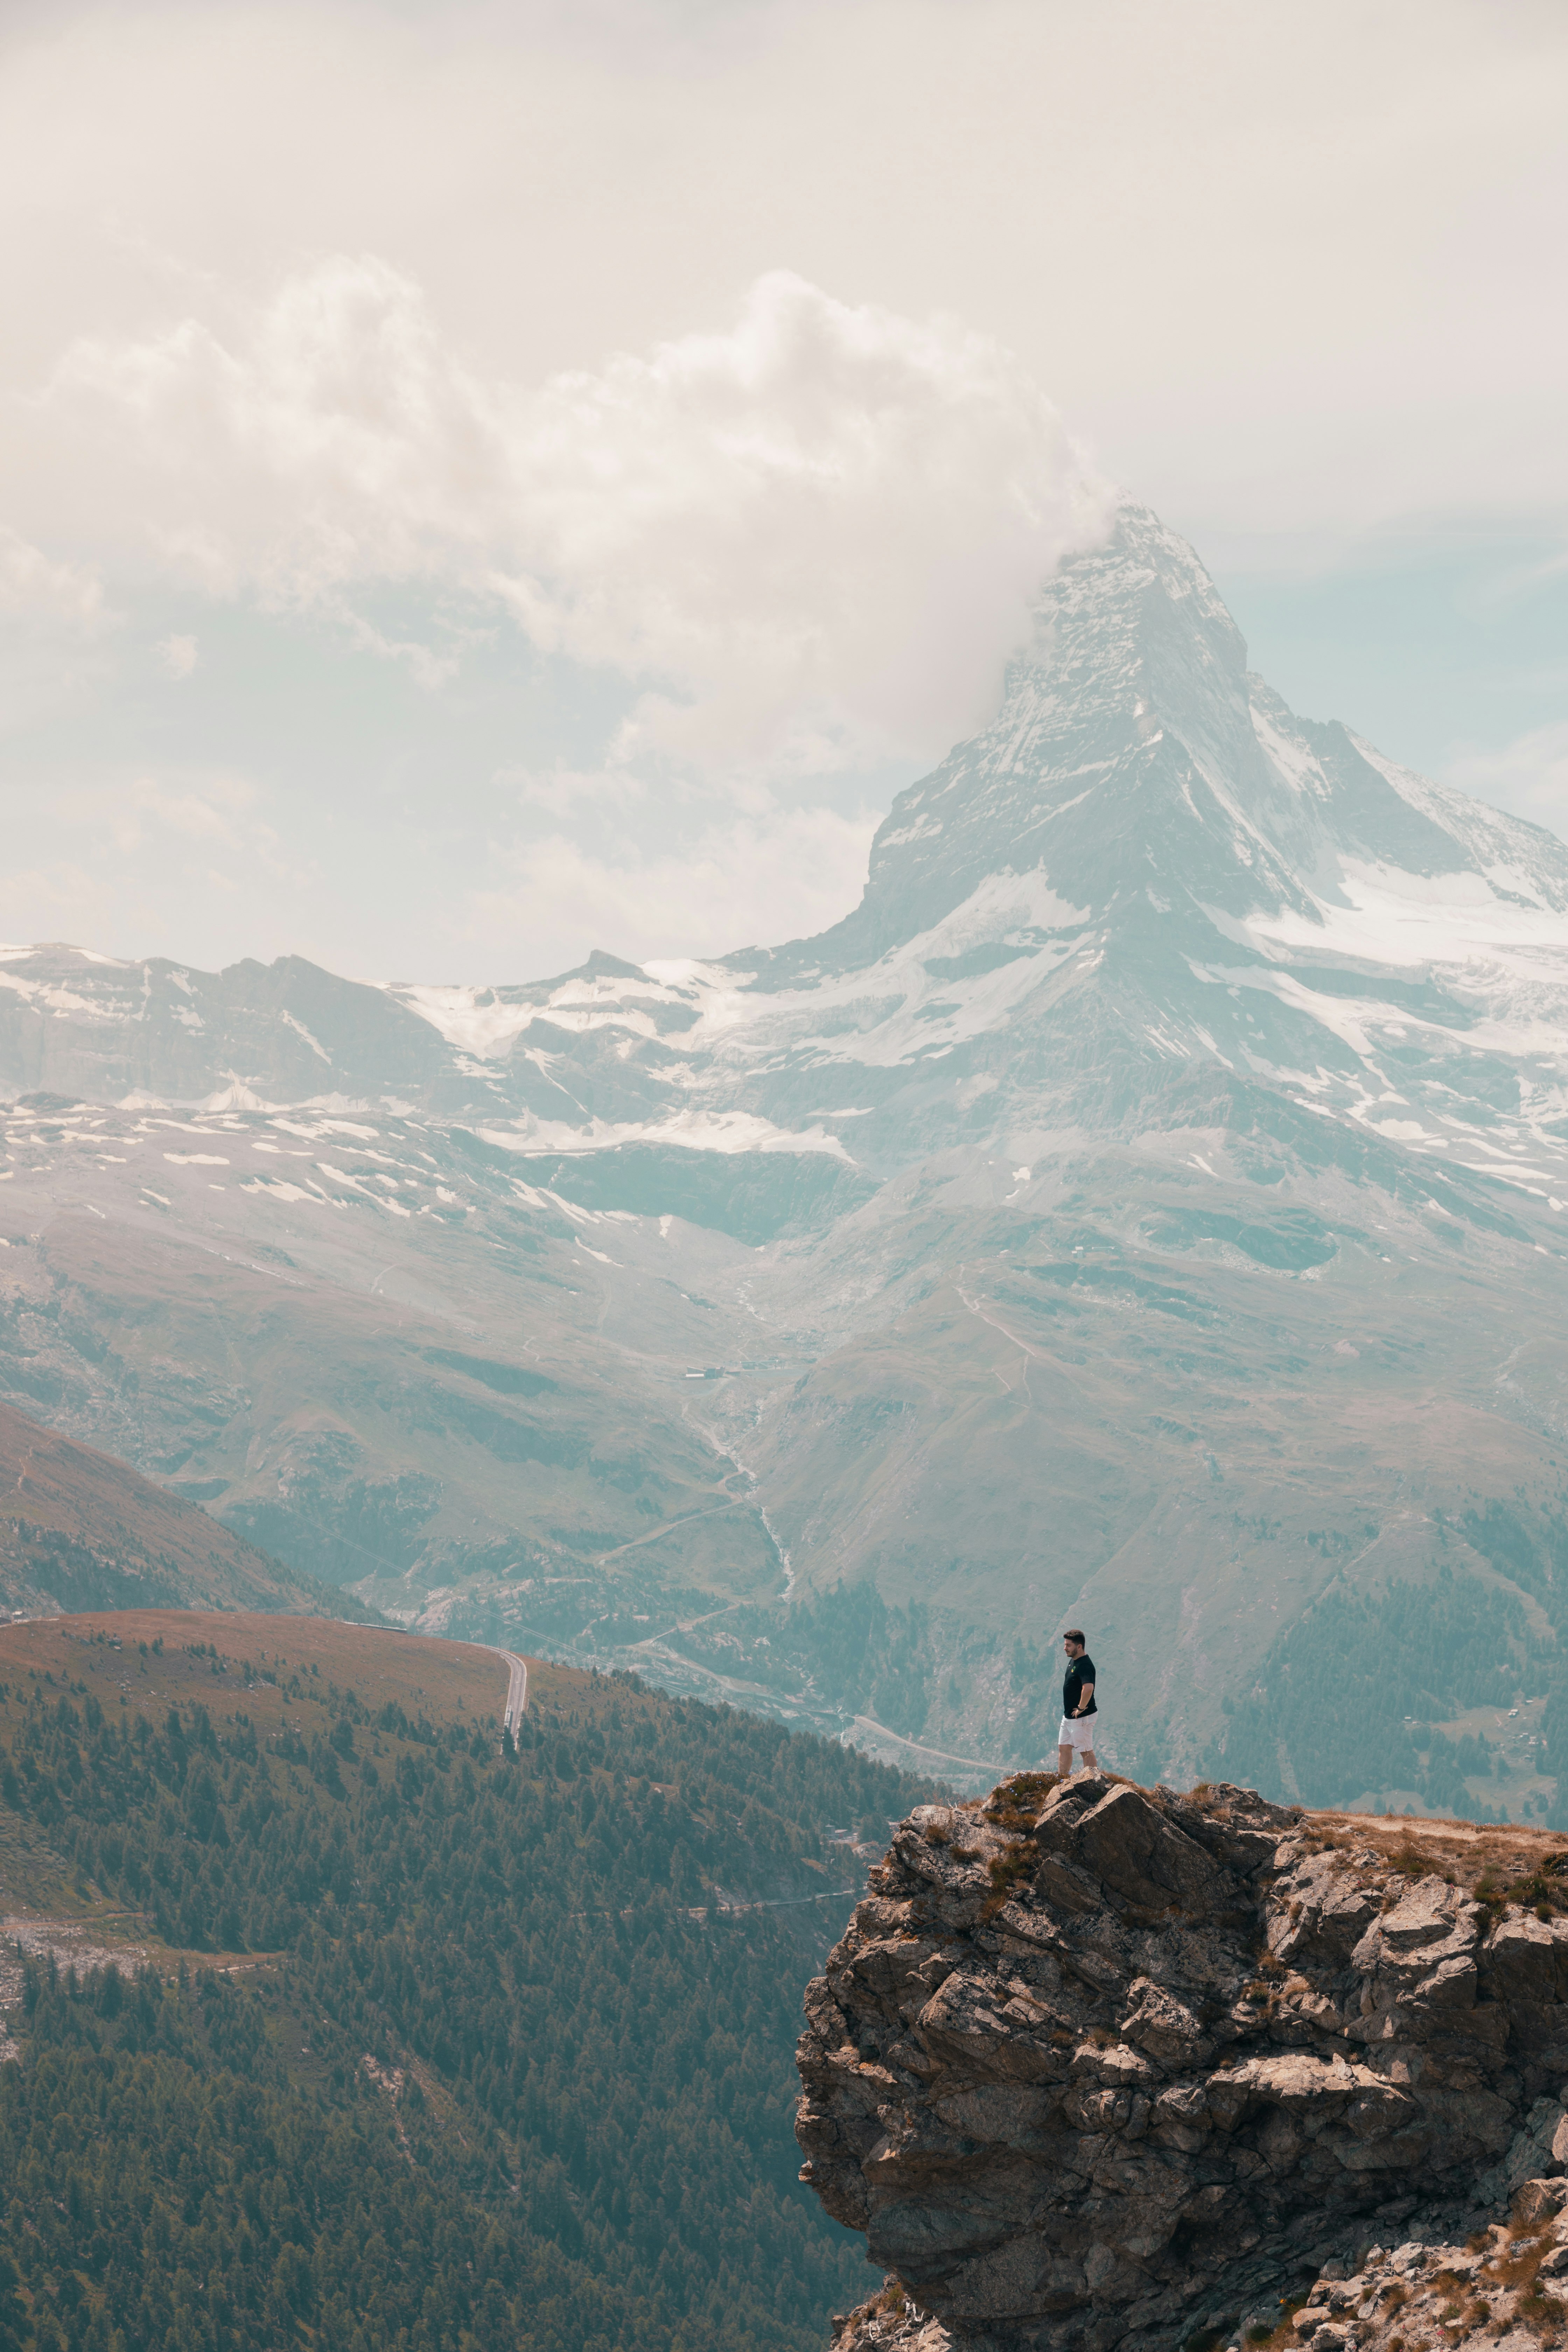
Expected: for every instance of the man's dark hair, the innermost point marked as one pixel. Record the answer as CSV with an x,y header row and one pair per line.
x,y
1073,1634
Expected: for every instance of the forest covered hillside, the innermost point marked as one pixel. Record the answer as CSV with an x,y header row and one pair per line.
x,y
336,2018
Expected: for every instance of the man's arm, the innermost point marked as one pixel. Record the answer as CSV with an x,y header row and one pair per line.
x,y
1086,1692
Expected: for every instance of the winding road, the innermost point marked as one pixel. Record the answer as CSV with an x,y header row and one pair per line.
x,y
516,1688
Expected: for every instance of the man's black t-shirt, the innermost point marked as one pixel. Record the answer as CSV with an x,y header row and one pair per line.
x,y
1079,1670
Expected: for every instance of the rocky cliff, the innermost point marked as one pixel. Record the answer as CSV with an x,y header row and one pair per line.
x,y
1103,2067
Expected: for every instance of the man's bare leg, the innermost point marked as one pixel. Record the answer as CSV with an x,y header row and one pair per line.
x,y
1089,1763
1064,1761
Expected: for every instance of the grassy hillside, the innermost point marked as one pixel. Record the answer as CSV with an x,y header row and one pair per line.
x,y
80,1530
378,2035
303,1383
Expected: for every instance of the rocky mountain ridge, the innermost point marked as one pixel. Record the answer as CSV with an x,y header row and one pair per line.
x,y
1117,2068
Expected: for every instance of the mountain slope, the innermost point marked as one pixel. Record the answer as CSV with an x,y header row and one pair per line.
x,y
1145,1209
78,1530
388,2034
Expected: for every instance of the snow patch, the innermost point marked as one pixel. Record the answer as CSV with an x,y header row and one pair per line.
x,y
693,1130
473,1020
1401,919
301,1031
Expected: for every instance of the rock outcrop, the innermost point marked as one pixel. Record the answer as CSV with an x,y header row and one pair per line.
x,y
1099,2066
1504,2288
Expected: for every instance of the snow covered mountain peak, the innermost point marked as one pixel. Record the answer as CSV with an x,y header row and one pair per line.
x,y
1137,761
1145,866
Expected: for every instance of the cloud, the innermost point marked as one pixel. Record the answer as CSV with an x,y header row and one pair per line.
x,y
34,587
1092,185
826,527
213,814
1528,776
322,439
567,792
56,633
154,862
174,820
747,881
176,656
811,538
282,419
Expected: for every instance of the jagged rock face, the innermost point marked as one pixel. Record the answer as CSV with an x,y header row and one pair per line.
x,y
1503,2288
1080,2080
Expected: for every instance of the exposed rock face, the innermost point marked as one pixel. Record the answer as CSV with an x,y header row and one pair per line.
x,y
1504,2289
1086,2078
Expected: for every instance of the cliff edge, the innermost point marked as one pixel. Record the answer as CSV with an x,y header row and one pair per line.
x,y
1099,2066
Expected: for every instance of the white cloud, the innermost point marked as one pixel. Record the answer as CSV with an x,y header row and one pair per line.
x,y
170,820
743,882
323,438
56,633
1091,185
567,792
35,587
825,527
213,814
815,537
157,863
177,657
1528,776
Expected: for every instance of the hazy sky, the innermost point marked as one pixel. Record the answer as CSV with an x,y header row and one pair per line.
x,y
482,483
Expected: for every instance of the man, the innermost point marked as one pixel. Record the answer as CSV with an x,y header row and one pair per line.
x,y
1079,1709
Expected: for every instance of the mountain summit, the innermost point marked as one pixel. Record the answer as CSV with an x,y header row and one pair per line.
x,y
1144,1207
1145,837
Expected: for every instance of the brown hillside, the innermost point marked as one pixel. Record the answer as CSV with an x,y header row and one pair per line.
x,y
112,1650
80,1530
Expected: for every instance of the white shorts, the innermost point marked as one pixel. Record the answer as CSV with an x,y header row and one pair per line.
x,y
1077,1731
